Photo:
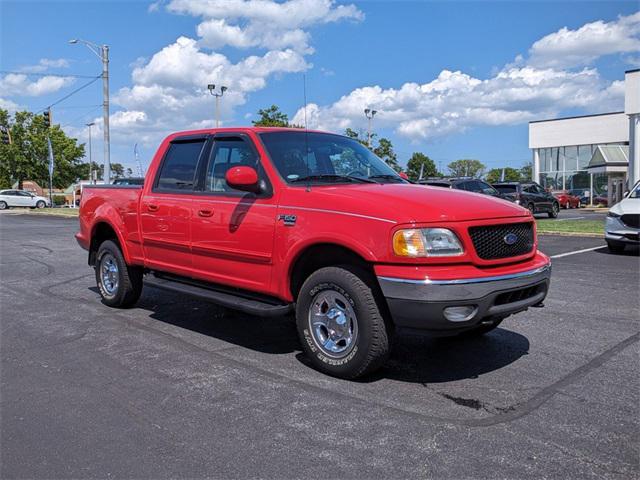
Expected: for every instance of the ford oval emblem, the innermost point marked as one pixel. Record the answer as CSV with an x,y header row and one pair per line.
x,y
510,238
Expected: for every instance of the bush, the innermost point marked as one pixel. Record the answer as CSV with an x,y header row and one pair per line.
x,y
59,200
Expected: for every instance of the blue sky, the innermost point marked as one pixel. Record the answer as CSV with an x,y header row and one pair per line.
x,y
450,79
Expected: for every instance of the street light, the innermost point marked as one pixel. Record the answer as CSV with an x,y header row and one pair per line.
x,y
90,154
212,90
102,52
369,114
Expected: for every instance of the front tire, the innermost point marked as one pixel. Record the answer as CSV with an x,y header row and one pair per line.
x,y
615,247
555,208
40,204
3,205
120,285
340,324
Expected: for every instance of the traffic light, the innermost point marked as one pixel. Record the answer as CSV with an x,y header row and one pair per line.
x,y
6,136
47,117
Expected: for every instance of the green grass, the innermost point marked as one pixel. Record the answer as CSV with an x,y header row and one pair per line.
x,y
62,212
570,226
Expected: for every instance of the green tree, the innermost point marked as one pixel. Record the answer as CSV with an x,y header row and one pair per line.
x,y
466,168
27,157
271,117
420,162
526,172
360,137
384,150
510,175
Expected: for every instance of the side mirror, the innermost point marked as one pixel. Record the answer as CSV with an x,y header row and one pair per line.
x,y
404,175
243,178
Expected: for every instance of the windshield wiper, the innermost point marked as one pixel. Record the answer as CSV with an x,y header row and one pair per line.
x,y
327,176
387,176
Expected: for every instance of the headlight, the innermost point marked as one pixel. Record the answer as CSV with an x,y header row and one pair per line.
x,y
613,214
426,242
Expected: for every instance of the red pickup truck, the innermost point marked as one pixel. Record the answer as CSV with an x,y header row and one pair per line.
x,y
271,221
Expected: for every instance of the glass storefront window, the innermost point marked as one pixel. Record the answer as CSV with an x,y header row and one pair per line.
x,y
584,156
556,165
570,158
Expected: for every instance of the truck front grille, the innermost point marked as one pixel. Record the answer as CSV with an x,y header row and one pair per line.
x,y
502,241
631,220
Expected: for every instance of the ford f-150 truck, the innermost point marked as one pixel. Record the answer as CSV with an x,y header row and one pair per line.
x,y
271,221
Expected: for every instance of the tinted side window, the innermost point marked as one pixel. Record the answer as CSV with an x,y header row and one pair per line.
x,y
179,166
529,188
227,153
473,186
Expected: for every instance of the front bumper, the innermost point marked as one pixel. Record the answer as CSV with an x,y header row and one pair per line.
x,y
421,304
615,230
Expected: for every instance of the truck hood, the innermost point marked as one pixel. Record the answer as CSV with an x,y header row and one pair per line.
x,y
406,203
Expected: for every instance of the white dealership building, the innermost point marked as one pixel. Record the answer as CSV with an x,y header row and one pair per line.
x,y
596,153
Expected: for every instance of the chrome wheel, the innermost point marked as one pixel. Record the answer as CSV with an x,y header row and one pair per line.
x,y
333,323
109,276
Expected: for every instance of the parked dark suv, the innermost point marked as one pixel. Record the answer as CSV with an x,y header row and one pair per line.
x,y
464,183
530,195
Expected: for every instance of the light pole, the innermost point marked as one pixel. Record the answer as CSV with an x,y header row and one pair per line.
x,y
212,90
102,52
369,114
90,155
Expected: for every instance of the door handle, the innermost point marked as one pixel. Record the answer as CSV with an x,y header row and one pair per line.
x,y
205,213
152,208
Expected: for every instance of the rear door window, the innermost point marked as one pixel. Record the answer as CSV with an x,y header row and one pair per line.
x,y
179,166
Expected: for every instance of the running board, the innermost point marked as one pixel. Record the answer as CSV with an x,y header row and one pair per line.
x,y
251,306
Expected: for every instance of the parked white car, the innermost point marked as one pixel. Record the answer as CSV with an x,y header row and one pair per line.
x,y
20,198
622,226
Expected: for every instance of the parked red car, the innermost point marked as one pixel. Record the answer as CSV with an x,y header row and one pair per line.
x,y
271,221
566,199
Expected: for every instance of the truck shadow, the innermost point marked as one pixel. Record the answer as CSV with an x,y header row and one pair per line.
x,y
415,359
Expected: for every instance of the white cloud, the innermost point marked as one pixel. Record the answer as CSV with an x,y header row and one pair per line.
x,y
570,48
455,101
262,23
17,84
45,64
170,87
544,84
9,105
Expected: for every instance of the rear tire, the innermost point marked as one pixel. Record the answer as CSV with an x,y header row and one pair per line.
x,y
555,208
615,247
340,324
120,285
532,208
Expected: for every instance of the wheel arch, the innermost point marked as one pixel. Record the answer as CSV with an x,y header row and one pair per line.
x,y
103,230
319,255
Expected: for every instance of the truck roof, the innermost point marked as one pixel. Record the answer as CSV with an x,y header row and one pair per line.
x,y
246,129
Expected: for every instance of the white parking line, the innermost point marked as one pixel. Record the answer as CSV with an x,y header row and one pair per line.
x,y
570,218
576,252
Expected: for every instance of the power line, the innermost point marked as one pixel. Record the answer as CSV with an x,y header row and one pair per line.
x,y
84,115
46,74
70,94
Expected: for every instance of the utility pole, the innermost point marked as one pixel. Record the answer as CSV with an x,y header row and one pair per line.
x,y
90,154
105,113
369,114
102,52
211,87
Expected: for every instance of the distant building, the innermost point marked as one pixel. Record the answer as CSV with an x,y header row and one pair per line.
x,y
599,153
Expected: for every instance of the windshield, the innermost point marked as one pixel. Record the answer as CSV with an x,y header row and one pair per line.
x,y
635,191
324,158
506,188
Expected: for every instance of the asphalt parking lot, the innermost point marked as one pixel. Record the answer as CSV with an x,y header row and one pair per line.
x,y
180,388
